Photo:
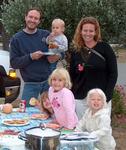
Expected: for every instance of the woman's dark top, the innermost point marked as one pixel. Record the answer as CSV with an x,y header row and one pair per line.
x,y
88,70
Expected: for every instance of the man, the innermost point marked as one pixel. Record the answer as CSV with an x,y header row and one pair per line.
x,y
26,54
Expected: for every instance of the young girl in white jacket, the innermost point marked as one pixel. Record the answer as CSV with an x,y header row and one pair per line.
x,y
97,121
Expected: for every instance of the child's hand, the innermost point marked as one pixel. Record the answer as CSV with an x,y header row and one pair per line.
x,y
51,37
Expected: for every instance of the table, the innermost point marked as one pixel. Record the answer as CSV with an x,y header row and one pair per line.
x,y
87,144
15,115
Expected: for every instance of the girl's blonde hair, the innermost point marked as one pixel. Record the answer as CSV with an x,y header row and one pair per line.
x,y
99,92
61,73
78,41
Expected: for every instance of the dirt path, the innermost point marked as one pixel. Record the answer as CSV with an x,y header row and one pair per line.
x,y
119,133
120,137
122,57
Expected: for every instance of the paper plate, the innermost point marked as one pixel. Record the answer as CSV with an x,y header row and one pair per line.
x,y
48,53
15,122
39,116
78,136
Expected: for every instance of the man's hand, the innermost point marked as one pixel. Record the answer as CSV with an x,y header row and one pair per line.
x,y
53,58
36,55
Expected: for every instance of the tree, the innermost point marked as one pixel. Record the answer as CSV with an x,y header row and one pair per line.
x,y
111,15
4,36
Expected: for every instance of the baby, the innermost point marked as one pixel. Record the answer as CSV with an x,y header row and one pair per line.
x,y
57,41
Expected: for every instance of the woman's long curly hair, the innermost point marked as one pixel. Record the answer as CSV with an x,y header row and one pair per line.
x,y
78,41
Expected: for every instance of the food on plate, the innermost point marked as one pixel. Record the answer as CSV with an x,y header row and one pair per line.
x,y
7,108
40,116
53,45
15,121
33,101
53,125
9,132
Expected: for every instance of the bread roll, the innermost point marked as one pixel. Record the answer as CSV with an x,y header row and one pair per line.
x,y
7,108
33,101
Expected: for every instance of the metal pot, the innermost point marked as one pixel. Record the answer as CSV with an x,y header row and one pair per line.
x,y
42,139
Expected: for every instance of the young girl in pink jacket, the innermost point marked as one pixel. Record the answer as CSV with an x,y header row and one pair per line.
x,y
62,99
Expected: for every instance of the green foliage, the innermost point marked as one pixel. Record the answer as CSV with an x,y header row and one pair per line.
x,y
119,101
13,14
111,15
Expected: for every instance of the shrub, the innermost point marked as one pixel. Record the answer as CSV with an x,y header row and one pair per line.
x,y
119,101
111,15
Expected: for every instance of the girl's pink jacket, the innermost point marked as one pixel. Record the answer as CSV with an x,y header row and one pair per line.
x,y
63,104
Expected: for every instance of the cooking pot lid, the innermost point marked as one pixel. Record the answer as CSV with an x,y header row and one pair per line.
x,y
47,132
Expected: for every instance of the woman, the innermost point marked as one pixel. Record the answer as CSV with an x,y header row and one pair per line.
x,y
93,63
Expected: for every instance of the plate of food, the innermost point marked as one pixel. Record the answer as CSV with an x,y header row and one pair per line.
x,y
15,122
52,125
8,132
40,116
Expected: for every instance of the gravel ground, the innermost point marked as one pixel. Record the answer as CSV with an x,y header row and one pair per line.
x,y
120,137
